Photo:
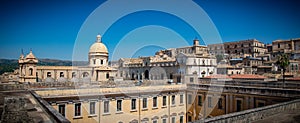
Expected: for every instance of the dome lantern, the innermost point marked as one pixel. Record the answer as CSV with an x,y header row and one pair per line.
x,y
99,38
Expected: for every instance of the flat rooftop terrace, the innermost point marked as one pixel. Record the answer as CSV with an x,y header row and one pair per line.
x,y
23,106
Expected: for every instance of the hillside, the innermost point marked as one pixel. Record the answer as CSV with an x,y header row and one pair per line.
x,y
8,65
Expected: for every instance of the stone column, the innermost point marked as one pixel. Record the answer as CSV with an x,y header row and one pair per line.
x,y
227,104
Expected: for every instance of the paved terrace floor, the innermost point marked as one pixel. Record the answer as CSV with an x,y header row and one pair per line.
x,y
34,110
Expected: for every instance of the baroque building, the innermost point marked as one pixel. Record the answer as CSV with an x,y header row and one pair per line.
x,y
97,70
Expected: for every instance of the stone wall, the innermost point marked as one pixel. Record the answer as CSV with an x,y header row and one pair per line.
x,y
254,114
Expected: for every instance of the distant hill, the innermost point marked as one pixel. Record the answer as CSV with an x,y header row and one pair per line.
x,y
9,65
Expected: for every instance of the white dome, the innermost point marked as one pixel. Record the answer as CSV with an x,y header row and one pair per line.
x,y
98,46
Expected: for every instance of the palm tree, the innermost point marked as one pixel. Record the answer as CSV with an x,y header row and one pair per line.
x,y
283,61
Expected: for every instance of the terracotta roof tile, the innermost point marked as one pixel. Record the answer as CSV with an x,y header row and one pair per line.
x,y
247,76
217,76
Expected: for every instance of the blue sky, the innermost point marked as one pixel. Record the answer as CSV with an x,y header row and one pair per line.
x,y
50,27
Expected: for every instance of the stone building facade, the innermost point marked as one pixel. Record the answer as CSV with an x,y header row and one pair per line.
x,y
239,49
169,64
160,104
291,47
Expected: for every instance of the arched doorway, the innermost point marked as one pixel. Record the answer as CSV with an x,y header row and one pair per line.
x,y
132,76
146,74
85,74
171,76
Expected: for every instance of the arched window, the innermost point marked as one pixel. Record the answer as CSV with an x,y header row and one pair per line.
x,y
48,74
132,76
61,74
85,74
146,74
73,74
30,71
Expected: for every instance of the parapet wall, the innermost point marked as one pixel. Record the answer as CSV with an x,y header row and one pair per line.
x,y
255,114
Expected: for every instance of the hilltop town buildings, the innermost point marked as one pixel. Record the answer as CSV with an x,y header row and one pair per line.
x,y
254,57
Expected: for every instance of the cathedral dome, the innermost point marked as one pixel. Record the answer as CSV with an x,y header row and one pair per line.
x,y
98,46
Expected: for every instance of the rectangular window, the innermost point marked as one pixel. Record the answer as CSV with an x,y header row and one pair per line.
x,y
260,104
173,99
181,119
119,105
154,121
106,106
154,102
133,104
220,104
164,101
189,118
199,100
164,120
62,110
78,109
144,103
173,120
181,99
192,79
238,105
189,99
209,102
92,107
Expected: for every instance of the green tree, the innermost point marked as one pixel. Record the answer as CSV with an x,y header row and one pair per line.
x,y
283,61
